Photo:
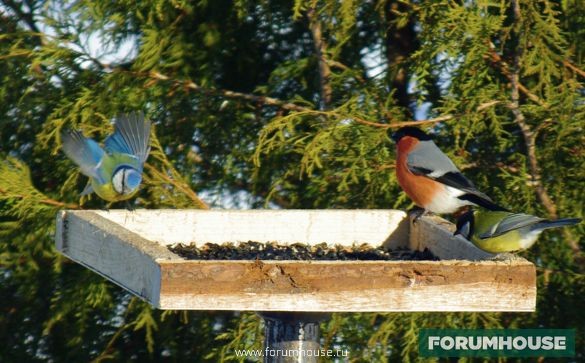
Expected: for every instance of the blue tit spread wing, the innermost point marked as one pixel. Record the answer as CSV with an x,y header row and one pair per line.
x,y
131,136
86,153
509,223
121,160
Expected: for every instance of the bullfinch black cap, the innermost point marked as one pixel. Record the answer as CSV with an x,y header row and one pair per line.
x,y
410,131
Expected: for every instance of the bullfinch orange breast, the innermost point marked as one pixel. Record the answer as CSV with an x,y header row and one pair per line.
x,y
430,178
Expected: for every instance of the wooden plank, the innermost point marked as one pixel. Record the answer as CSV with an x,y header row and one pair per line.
x,y
348,285
436,234
121,256
345,227
119,245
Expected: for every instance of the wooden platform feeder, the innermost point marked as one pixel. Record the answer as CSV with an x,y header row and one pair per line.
x,y
130,249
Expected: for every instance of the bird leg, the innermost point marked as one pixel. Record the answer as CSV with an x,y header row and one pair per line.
x,y
418,212
505,256
129,206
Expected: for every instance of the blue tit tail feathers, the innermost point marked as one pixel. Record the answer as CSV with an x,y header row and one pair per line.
x,y
554,224
86,153
131,136
483,201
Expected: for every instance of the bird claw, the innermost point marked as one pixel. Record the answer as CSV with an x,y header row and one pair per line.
x,y
130,207
504,256
418,213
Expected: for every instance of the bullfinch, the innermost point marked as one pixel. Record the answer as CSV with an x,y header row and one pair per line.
x,y
115,172
430,178
499,232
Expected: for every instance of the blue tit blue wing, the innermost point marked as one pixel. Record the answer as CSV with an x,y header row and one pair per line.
x,y
131,136
86,153
509,223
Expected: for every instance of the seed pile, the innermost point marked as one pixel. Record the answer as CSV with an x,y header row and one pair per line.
x,y
298,251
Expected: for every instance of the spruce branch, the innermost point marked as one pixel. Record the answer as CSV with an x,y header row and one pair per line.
x,y
175,177
180,185
574,68
504,67
155,76
106,353
188,84
289,106
16,184
320,50
551,271
362,80
528,134
6,194
26,17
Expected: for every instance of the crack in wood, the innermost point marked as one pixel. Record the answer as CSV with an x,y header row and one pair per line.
x,y
276,274
149,270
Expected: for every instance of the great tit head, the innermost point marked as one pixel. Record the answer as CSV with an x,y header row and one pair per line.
x,y
465,225
412,132
126,180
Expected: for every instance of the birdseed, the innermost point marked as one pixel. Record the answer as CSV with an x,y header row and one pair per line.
x,y
297,251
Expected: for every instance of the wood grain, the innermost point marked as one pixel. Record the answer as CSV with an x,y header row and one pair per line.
x,y
129,248
436,234
348,285
107,248
345,227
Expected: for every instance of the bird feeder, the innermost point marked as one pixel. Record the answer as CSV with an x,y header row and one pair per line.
x,y
130,248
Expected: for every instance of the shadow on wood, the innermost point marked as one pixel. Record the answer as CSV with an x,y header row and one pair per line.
x,y
130,249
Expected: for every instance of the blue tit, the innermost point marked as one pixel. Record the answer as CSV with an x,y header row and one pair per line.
x,y
497,232
115,172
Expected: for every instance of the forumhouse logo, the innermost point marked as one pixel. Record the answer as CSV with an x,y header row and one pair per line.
x,y
496,343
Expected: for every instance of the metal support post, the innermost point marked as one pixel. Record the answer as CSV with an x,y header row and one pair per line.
x,y
292,336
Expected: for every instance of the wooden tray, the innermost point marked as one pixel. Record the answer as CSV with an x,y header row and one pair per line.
x,y
130,249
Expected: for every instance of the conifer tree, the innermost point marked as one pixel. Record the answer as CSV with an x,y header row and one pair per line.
x,y
284,104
